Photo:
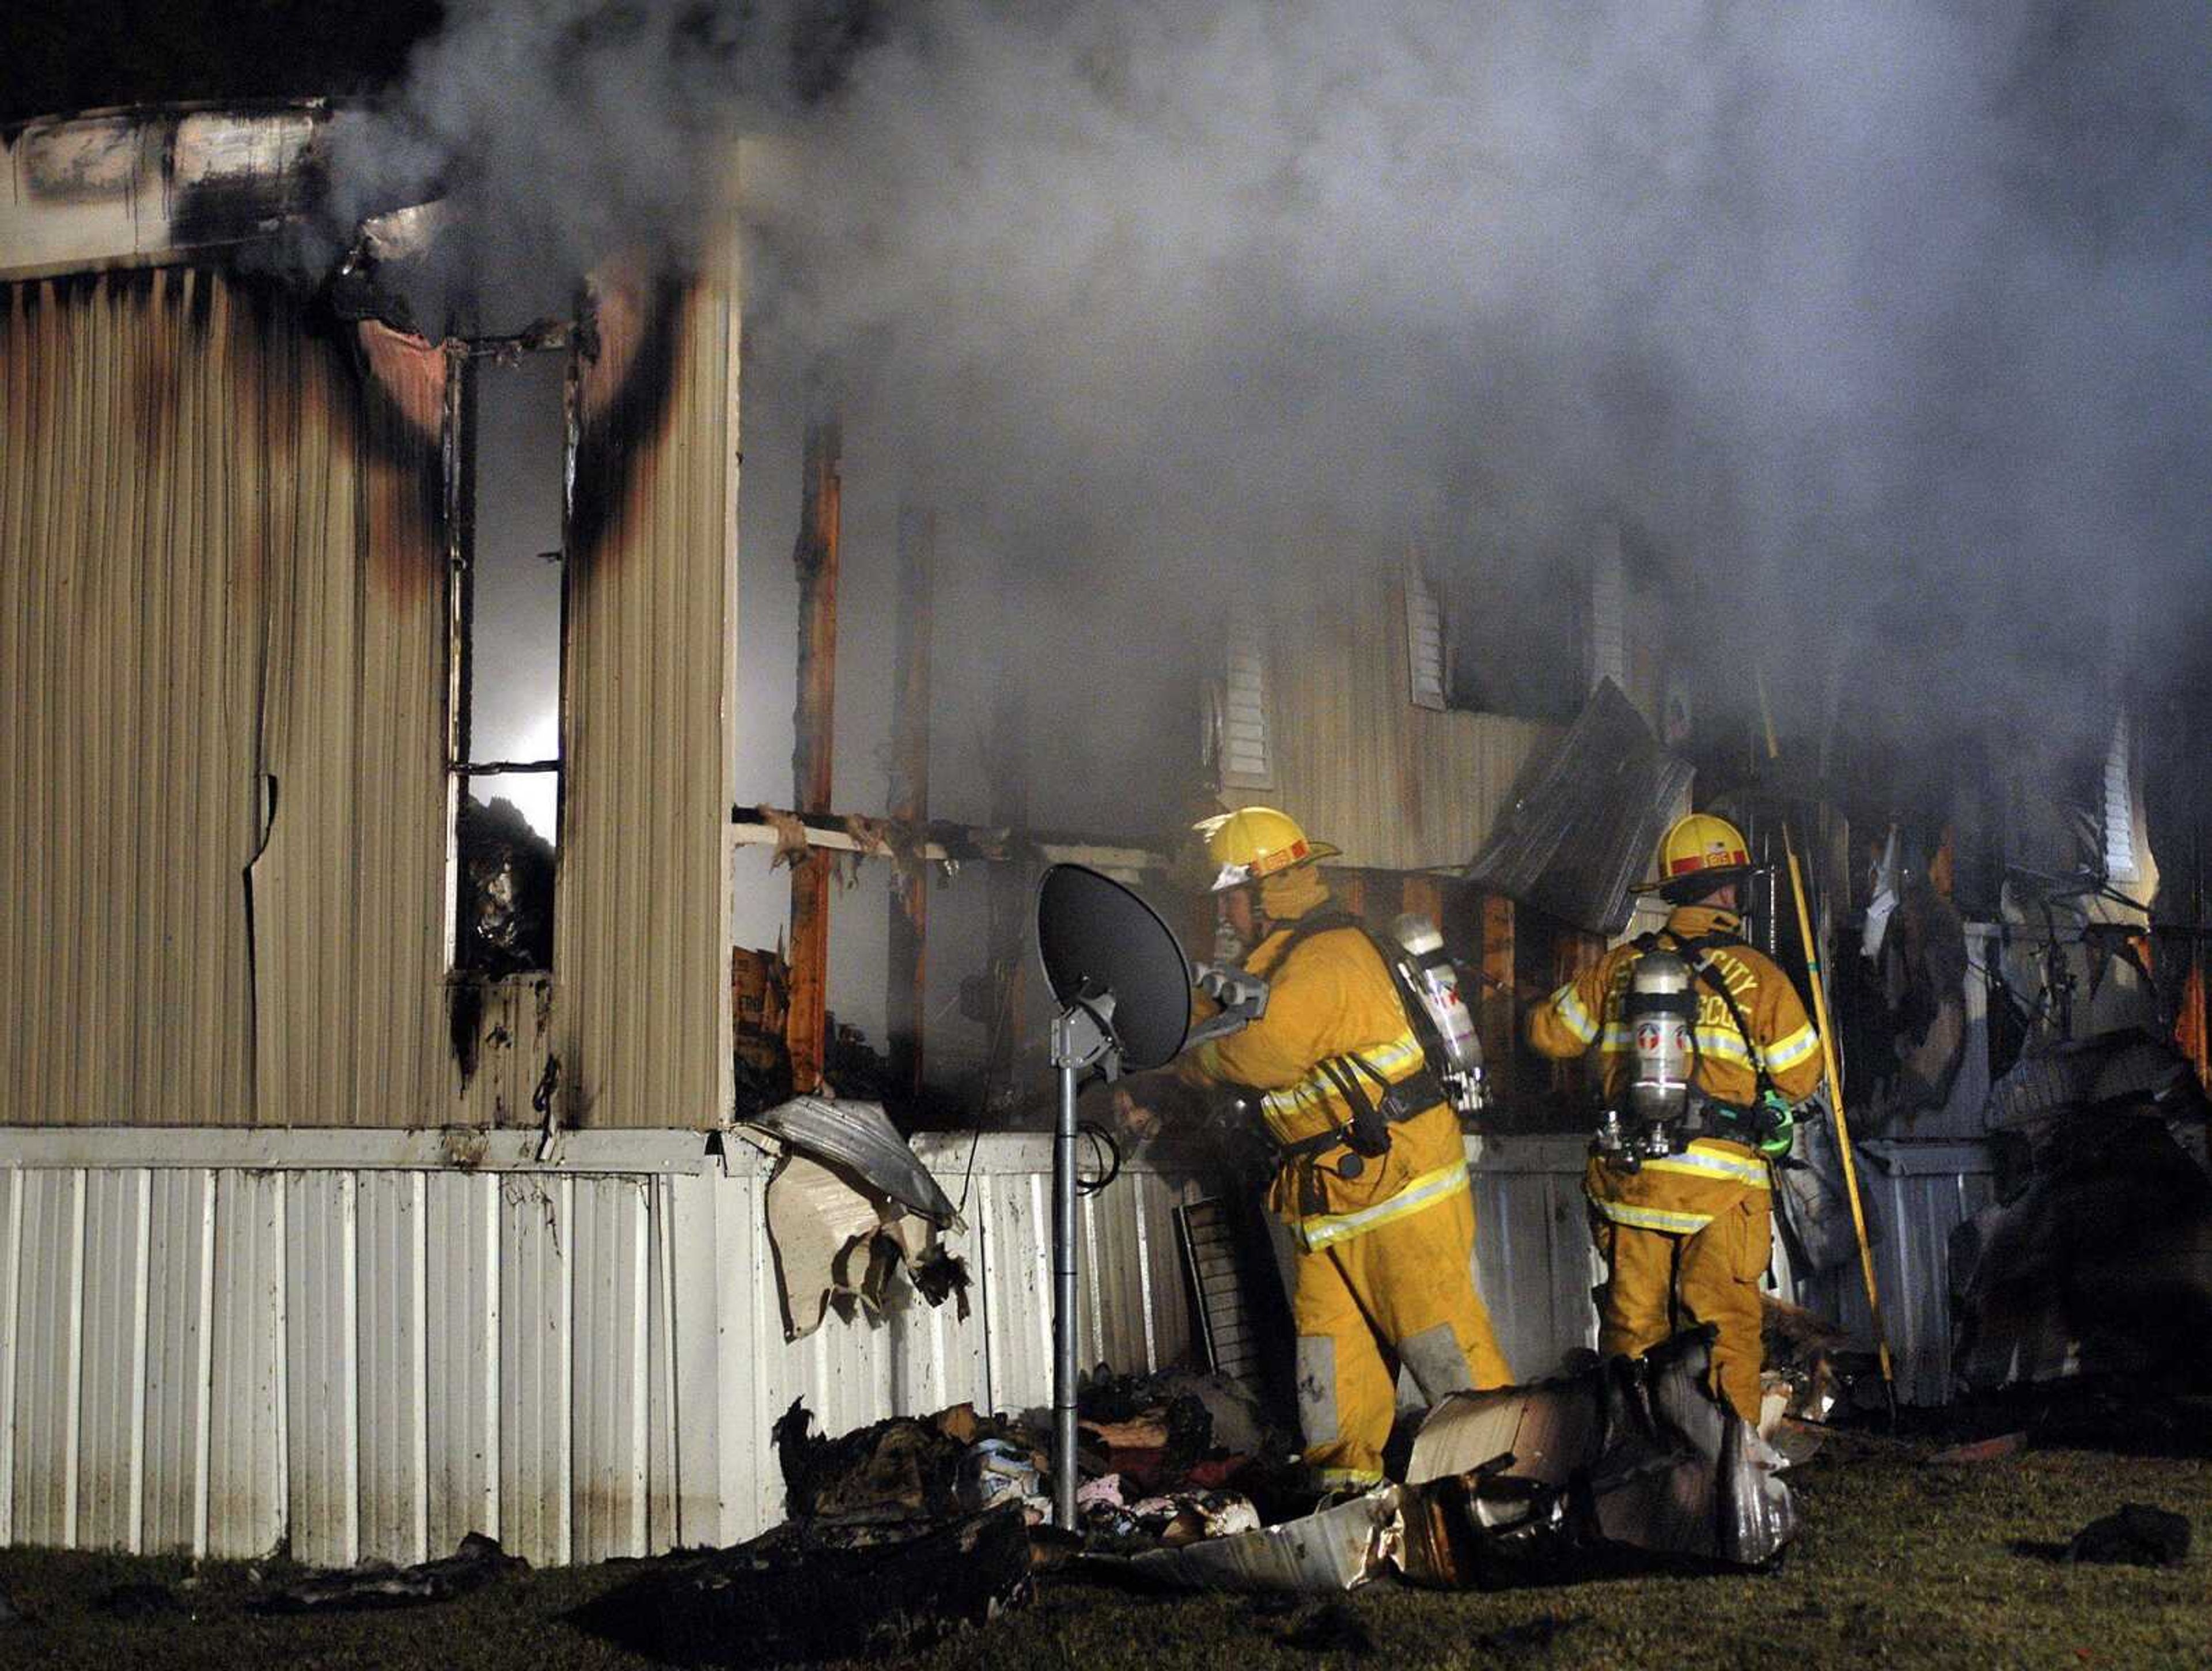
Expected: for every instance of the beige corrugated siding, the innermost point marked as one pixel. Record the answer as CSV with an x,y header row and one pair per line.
x,y
1397,787
126,709
221,563
343,543
642,924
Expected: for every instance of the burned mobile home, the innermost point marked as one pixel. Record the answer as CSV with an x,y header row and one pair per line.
x,y
394,790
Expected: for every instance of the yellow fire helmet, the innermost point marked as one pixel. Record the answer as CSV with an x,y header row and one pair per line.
x,y
1700,843
1254,843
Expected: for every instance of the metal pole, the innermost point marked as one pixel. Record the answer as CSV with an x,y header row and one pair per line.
x,y
1063,1285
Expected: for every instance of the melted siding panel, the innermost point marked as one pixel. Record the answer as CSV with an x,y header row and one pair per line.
x,y
191,476
349,889
117,724
642,917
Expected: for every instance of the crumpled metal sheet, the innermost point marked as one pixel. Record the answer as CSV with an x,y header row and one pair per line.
x,y
1338,1549
1636,1452
859,1136
1634,1455
1585,819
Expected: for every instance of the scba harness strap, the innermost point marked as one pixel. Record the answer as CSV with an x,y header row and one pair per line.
x,y
1367,1132
1752,1124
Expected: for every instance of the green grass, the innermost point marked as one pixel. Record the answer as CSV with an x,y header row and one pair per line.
x,y
1901,1565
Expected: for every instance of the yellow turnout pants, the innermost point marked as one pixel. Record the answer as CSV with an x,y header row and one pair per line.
x,y
1685,1243
1400,1292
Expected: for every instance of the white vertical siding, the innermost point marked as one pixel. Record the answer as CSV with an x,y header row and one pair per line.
x,y
1533,1262
1916,1195
372,1360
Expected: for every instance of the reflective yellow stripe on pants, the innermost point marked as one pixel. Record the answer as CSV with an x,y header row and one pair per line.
x,y
1428,1190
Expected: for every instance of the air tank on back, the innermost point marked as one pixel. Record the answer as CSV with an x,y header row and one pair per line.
x,y
1436,982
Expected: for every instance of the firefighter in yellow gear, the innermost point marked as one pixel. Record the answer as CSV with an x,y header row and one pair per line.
x,y
1686,1238
1384,1267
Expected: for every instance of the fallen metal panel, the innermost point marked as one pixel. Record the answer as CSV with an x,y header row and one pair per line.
x,y
1584,819
1338,1549
859,1136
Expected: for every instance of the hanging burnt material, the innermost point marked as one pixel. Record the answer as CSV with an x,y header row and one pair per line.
x,y
506,925
1585,819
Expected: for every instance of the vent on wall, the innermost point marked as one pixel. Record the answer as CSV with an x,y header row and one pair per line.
x,y
2120,862
1608,618
1424,642
1242,748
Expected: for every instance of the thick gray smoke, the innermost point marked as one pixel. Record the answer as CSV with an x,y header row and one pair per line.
x,y
1881,322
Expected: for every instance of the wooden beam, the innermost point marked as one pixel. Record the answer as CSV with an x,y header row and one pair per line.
x,y
1499,1016
1424,896
906,980
814,726
938,842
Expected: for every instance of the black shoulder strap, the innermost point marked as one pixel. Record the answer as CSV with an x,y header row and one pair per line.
x,y
1314,923
1416,1013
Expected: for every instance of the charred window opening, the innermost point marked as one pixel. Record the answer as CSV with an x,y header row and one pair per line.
x,y
1516,637
511,433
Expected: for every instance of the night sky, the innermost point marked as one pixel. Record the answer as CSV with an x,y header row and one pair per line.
x,y
58,56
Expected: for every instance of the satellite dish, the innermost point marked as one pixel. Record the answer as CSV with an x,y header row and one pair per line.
x,y
1097,938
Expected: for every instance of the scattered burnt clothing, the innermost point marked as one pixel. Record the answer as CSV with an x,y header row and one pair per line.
x,y
506,903
900,1470
801,1593
476,1561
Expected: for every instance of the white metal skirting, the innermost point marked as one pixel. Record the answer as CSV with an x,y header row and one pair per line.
x,y
1536,1268
329,1340
373,1360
